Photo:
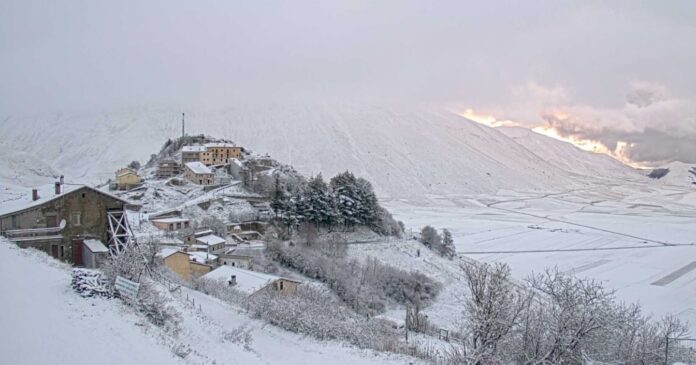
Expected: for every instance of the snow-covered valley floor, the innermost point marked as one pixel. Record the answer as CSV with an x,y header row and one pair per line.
x,y
637,239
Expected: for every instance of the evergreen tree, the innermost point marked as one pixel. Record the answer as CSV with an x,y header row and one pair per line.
x,y
278,200
447,249
348,200
320,205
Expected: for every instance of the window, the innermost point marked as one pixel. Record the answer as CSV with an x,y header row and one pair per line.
x,y
281,285
14,222
76,219
62,251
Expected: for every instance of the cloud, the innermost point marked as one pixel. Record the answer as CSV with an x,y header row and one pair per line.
x,y
650,129
645,94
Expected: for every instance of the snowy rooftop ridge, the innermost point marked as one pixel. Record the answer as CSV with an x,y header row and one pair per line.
x,y
202,257
210,240
193,149
198,167
248,282
219,145
46,194
96,246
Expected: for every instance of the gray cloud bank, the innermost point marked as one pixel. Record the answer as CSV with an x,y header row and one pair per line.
x,y
513,59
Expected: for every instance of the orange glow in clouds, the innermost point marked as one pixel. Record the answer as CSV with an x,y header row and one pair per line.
x,y
584,144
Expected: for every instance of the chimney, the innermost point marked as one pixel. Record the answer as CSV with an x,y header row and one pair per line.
x,y
62,179
57,185
34,194
233,280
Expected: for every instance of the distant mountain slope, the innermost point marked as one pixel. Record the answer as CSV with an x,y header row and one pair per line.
x,y
675,173
567,157
409,154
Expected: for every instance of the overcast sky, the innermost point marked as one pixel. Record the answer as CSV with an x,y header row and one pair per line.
x,y
612,71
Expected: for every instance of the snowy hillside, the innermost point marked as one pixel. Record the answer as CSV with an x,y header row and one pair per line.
x,y
676,173
407,153
567,157
39,300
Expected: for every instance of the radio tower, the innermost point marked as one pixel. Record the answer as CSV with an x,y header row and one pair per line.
x,y
183,126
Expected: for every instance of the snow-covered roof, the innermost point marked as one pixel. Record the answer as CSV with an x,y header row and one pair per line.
x,y
198,167
237,162
203,233
170,220
126,172
210,240
46,194
193,149
96,246
166,252
202,257
248,282
219,145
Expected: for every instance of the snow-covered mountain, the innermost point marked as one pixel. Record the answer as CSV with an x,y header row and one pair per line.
x,y
566,156
675,173
408,153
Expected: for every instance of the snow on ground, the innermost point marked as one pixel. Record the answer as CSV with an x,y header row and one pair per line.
x,y
637,239
45,322
446,311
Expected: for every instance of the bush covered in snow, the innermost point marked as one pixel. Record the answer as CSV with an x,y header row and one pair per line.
x,y
442,244
554,319
137,264
365,287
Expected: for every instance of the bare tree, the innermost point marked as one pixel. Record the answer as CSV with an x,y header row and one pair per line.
x,y
491,312
560,329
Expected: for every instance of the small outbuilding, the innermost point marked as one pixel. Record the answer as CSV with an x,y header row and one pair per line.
x,y
94,253
171,224
240,261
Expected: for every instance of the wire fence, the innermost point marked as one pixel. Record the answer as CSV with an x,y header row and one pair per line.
x,y
680,350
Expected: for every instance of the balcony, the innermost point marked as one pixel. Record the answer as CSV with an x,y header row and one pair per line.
x,y
35,234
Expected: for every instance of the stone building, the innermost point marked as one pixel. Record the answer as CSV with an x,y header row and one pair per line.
x,y
181,263
171,224
198,173
240,261
57,218
220,153
168,168
191,154
251,282
127,178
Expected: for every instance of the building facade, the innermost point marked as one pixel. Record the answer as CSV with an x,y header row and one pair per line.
x,y
198,173
58,218
168,168
127,178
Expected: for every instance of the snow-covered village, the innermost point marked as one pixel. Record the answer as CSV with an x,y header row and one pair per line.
x,y
431,183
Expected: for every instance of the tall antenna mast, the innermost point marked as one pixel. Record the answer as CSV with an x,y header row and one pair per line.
x,y
183,125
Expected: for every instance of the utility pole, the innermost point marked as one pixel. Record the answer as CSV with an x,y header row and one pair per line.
x,y
183,125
